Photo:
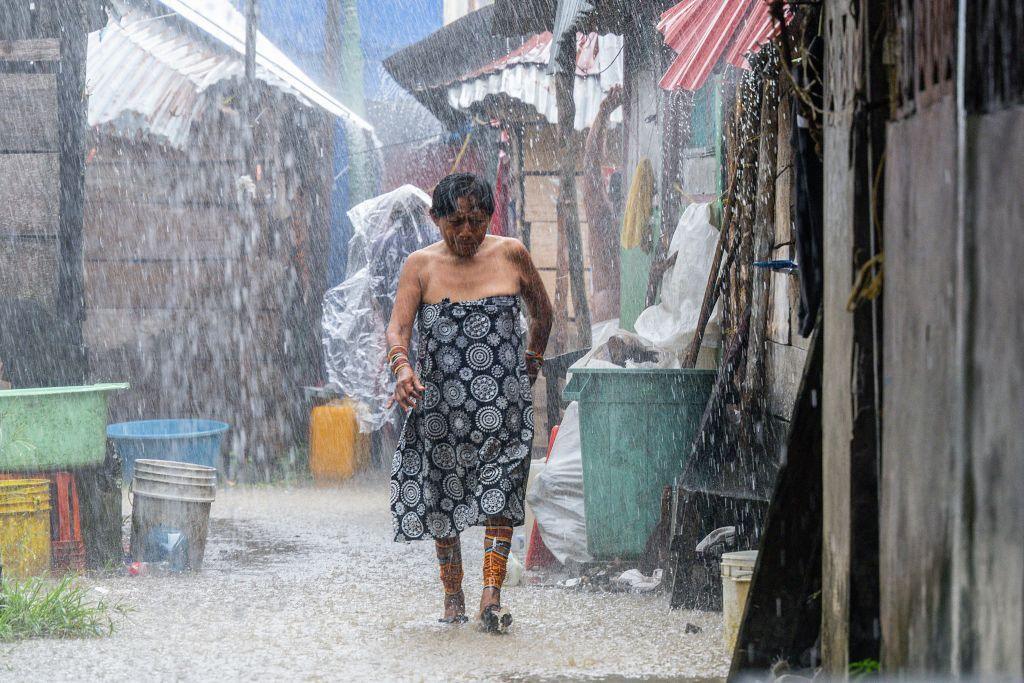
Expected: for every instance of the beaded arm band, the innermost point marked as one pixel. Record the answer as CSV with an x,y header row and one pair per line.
x,y
398,356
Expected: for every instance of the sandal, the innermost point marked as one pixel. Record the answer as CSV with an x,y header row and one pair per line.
x,y
496,619
458,601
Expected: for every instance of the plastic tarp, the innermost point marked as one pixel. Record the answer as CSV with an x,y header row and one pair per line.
x,y
671,324
556,496
386,229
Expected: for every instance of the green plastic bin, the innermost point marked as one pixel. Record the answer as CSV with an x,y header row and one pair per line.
x,y
53,427
637,428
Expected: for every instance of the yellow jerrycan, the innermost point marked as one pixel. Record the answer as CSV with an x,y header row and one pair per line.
x,y
336,448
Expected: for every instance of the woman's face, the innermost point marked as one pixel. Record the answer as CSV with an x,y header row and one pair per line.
x,y
464,231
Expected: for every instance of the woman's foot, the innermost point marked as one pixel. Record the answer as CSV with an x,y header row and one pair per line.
x,y
493,617
454,609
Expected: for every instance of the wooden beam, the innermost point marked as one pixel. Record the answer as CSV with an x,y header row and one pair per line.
x,y
568,212
72,117
754,380
32,50
783,611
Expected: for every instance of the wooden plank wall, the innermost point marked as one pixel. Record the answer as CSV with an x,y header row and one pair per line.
x,y
167,277
993,581
540,167
160,246
785,350
42,49
952,517
917,512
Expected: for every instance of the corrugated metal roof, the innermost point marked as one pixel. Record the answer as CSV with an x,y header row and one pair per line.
x,y
428,67
149,73
701,30
566,17
522,74
758,29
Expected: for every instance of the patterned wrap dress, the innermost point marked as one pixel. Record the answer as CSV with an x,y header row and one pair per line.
x,y
464,454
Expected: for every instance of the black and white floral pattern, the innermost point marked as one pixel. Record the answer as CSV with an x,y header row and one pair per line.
x,y
464,454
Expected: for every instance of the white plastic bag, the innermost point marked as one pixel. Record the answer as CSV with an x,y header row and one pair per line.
x,y
671,324
557,494
386,229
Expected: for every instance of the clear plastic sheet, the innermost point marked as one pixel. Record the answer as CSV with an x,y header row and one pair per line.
x,y
671,324
386,229
556,496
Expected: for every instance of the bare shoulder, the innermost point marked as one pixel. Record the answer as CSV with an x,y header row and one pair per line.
x,y
514,250
423,256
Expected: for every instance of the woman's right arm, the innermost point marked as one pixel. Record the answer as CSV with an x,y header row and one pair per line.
x,y
409,389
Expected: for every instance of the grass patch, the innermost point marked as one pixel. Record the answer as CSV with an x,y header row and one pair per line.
x,y
43,609
864,669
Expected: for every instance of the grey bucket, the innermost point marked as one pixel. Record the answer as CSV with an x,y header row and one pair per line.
x,y
176,495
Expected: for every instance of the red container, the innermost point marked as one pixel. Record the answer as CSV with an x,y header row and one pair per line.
x,y
67,546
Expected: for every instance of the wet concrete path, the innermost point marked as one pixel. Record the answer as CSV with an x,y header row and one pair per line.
x,y
305,584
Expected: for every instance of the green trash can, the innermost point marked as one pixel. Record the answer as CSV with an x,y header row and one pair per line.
x,y
636,431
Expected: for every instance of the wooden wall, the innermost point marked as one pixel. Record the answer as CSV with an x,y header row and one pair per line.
x,y
853,149
992,579
952,515
540,168
42,71
918,493
205,300
785,350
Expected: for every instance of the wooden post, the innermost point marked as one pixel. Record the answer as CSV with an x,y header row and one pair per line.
x,y
753,389
524,227
72,125
568,212
252,18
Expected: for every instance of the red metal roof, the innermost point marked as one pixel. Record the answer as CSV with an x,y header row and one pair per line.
x,y
702,32
758,29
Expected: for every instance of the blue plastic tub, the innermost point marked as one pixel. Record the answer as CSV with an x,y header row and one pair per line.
x,y
192,441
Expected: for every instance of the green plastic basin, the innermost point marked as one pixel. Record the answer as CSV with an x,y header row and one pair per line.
x,y
636,431
53,427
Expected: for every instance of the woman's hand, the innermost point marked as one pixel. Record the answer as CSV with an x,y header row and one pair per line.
x,y
408,390
612,99
533,369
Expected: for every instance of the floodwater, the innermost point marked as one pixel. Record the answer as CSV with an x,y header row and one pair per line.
x,y
305,584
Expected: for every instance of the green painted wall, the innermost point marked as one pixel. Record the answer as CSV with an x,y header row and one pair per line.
x,y
635,272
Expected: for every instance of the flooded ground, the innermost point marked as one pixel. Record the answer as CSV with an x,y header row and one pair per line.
x,y
306,584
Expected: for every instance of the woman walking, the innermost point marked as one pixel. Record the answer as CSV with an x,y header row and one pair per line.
x,y
464,454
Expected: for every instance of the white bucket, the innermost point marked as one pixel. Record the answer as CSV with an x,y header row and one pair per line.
x,y
173,494
737,571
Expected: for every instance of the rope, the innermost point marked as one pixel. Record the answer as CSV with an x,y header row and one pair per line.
x,y
458,158
864,289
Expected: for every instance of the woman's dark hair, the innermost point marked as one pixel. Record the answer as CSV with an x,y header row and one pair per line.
x,y
446,197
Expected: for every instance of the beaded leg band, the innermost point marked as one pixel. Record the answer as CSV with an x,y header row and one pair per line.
x,y
497,545
449,556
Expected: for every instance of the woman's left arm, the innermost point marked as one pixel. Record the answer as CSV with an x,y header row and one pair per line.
x,y
537,304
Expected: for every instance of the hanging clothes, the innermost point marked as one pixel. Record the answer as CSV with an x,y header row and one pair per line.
x,y
636,224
